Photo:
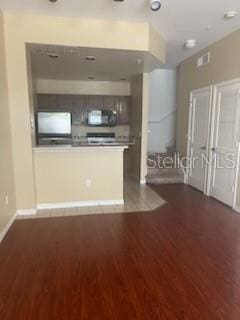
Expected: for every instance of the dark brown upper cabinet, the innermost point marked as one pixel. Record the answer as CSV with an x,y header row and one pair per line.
x,y
79,105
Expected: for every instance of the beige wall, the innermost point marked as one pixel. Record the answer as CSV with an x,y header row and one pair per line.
x,y
158,48
7,211
61,176
22,29
85,32
111,88
224,65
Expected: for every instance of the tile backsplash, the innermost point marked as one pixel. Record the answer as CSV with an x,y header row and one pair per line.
x,y
80,131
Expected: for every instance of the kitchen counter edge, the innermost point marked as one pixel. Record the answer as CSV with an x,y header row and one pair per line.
x,y
69,148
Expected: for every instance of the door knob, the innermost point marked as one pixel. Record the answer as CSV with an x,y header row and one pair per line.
x,y
213,149
203,148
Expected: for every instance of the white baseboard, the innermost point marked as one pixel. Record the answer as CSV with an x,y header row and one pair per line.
x,y
7,227
237,209
26,212
185,179
79,204
185,174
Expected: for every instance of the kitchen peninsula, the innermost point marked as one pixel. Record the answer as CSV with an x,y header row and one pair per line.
x,y
79,155
75,176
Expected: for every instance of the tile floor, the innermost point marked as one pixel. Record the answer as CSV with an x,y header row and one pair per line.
x,y
136,198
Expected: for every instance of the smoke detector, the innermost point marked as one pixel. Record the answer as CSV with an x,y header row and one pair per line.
x,y
230,14
189,44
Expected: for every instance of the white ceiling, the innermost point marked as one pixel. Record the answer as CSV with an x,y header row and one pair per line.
x,y
178,20
71,64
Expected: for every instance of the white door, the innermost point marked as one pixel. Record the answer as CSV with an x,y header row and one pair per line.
x,y
225,140
198,136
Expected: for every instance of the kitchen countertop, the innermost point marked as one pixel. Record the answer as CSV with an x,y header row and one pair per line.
x,y
86,143
81,147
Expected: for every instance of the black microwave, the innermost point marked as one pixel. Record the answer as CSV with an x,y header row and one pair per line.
x,y
102,118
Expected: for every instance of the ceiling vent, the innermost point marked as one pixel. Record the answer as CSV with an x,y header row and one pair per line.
x,y
203,60
57,50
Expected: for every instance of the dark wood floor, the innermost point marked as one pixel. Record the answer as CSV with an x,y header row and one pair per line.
x,y
181,262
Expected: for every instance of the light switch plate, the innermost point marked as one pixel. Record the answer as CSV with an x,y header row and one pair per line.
x,y
88,183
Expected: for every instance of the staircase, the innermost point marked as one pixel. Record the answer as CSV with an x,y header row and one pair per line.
x,y
163,168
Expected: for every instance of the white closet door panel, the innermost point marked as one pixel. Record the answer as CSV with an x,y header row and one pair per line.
x,y
226,137
199,131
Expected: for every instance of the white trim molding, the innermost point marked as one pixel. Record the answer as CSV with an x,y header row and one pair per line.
x,y
185,173
26,212
236,180
7,227
237,209
79,204
210,90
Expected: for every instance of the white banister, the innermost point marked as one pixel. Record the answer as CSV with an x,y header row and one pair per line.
x,y
167,115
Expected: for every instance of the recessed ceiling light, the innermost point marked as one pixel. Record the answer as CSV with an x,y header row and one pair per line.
x,y
189,44
91,78
230,14
90,58
155,5
53,55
